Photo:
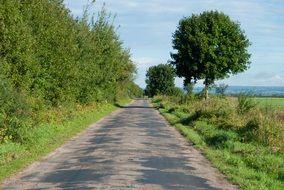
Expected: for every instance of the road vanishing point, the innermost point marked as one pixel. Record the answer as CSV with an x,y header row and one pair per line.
x,y
132,148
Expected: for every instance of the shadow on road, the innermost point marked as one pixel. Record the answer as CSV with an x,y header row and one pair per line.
x,y
131,107
131,150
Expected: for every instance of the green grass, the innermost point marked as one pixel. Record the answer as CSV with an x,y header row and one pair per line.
x,y
250,165
270,102
46,138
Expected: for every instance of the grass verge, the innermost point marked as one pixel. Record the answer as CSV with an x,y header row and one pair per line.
x,y
47,137
249,164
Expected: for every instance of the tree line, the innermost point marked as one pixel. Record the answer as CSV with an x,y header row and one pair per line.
x,y
47,57
209,47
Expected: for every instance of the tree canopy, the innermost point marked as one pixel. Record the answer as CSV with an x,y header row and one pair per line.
x,y
209,46
48,54
49,58
160,79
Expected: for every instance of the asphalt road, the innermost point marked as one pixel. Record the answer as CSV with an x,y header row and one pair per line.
x,y
133,148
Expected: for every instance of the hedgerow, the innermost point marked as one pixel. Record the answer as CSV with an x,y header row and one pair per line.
x,y
50,59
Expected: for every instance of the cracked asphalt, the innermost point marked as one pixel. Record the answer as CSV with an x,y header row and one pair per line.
x,y
132,148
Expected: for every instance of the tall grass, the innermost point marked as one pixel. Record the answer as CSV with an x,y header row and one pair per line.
x,y
240,138
54,127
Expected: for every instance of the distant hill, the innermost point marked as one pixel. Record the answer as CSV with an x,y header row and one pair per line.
x,y
255,90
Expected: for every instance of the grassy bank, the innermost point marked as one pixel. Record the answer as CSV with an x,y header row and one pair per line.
x,y
246,145
56,126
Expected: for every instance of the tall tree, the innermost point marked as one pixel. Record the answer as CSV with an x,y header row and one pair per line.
x,y
209,46
160,79
48,58
16,46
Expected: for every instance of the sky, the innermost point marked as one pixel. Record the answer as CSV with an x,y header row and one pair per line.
x,y
146,27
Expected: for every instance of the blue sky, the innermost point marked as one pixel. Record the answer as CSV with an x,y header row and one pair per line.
x,y
146,27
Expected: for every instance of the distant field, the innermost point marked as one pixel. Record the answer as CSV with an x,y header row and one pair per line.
x,y
270,102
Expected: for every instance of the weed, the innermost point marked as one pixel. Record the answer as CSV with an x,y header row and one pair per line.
x,y
241,140
245,103
48,136
221,89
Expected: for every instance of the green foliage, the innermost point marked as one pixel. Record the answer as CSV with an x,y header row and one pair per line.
x,y
61,60
245,103
49,59
175,91
16,46
14,114
49,135
247,147
209,46
160,80
135,90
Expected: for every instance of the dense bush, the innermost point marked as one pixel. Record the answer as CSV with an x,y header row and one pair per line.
x,y
160,80
135,91
14,114
48,57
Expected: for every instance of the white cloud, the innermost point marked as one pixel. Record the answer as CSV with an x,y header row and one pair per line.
x,y
258,79
275,80
146,26
144,63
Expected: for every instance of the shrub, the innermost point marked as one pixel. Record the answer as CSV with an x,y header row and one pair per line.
x,y
221,89
14,114
248,133
175,91
245,103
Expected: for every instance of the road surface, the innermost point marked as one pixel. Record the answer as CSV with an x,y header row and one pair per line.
x,y
132,148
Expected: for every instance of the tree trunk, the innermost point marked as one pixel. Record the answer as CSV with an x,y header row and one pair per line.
x,y
206,96
206,92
